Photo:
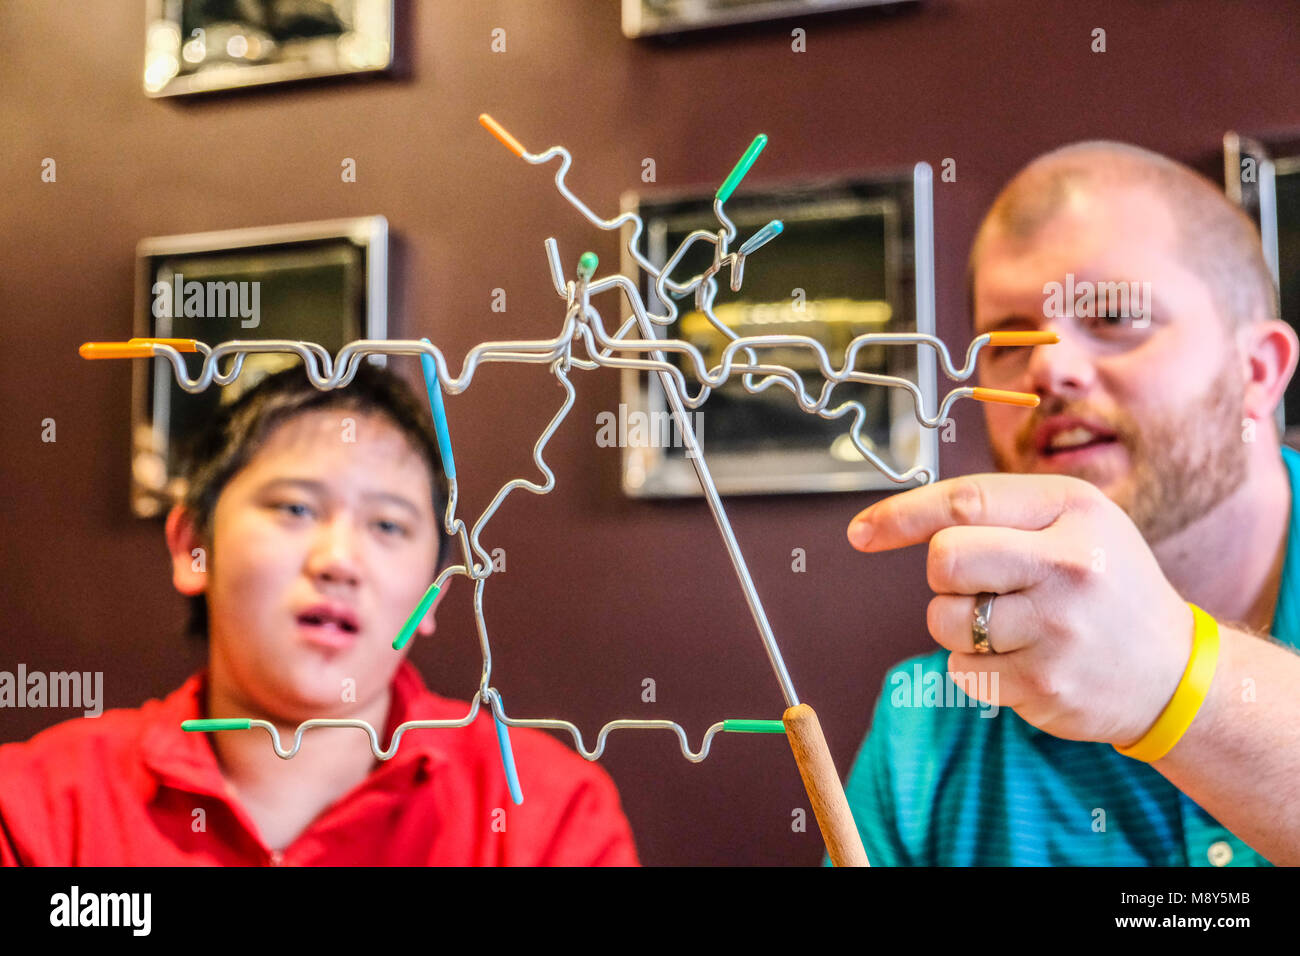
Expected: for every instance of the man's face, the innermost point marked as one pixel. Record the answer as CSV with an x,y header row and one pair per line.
x,y
1146,407
321,546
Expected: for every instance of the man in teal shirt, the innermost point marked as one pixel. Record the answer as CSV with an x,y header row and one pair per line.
x,y
1149,478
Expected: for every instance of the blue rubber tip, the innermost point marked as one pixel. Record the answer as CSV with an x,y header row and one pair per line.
x,y
508,760
434,388
762,237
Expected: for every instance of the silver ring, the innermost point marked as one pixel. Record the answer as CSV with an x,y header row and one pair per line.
x,y
980,623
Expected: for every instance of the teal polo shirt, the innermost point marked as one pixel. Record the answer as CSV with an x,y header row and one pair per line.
x,y
944,780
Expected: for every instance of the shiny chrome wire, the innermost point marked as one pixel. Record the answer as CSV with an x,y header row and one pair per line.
x,y
583,326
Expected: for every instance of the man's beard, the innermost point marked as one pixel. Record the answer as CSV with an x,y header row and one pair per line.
x,y
1183,465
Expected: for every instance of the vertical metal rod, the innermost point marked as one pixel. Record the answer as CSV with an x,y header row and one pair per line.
x,y
696,456
923,267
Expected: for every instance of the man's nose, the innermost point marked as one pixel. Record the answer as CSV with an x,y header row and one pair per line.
x,y
333,556
1065,368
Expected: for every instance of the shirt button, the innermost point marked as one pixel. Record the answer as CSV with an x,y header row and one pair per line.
x,y
277,857
1220,853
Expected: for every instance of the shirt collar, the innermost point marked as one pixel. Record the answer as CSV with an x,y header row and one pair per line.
x,y
1286,616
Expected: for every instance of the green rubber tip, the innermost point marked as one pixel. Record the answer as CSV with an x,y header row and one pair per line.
x,y
218,723
733,180
753,726
587,263
413,621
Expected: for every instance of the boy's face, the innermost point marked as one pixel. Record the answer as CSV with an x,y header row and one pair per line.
x,y
321,546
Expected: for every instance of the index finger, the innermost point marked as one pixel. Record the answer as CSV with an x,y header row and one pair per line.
x,y
1028,502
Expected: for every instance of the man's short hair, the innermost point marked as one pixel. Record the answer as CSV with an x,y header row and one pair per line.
x,y
1216,239
238,430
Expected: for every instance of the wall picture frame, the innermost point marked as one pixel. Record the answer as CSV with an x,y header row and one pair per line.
x,y
845,264
323,282
642,18
1263,177
200,46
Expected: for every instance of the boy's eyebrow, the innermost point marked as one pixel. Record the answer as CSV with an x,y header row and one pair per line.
x,y
319,488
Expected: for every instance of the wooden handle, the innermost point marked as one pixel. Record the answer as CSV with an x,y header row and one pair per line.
x,y
830,806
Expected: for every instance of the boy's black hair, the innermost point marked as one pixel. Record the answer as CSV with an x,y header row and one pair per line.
x,y
240,429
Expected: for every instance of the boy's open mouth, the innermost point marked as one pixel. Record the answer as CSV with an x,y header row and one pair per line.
x,y
332,624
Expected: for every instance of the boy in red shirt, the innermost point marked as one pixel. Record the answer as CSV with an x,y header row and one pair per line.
x,y
319,514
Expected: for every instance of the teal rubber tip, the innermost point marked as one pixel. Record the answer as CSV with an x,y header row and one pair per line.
x,y
587,263
738,173
217,723
739,726
417,615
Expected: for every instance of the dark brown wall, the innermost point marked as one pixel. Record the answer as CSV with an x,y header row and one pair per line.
x,y
600,591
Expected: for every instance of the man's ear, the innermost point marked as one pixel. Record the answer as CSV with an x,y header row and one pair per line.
x,y
189,554
1269,349
428,624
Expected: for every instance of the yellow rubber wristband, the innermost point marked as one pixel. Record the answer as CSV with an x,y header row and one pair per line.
x,y
1188,698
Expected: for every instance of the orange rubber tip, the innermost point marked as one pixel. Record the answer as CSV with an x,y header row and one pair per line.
x,y
113,350
497,130
1003,397
1023,338
180,345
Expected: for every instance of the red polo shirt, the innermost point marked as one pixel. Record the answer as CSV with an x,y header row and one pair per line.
x,y
122,788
